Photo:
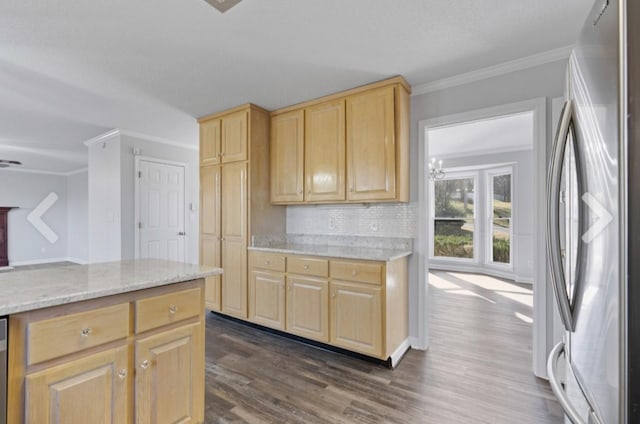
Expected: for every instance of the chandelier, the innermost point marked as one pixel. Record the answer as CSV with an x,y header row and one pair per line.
x,y
436,172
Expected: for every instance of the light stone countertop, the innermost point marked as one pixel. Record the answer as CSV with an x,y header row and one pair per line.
x,y
346,252
26,290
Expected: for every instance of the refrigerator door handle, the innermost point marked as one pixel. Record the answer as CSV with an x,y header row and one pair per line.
x,y
553,217
556,386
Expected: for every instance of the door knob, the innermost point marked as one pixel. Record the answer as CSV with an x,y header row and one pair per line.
x,y
182,233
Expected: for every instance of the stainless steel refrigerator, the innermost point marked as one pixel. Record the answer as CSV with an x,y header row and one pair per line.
x,y
593,218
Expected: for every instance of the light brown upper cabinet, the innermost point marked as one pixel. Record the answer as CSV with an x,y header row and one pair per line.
x,y
371,145
324,148
287,141
225,139
234,202
355,146
210,142
234,137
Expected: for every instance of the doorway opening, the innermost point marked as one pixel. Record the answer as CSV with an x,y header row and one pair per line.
x,y
482,211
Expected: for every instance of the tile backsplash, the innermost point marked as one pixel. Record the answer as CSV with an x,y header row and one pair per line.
x,y
376,220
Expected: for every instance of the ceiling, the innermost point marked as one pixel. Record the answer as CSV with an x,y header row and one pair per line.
x,y
501,134
71,70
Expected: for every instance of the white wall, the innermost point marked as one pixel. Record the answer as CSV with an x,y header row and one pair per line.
x,y
104,201
523,211
78,216
540,81
128,181
26,191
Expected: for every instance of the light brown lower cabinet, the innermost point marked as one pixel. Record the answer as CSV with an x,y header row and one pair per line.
x,y
308,307
356,317
356,305
266,299
169,382
150,372
93,389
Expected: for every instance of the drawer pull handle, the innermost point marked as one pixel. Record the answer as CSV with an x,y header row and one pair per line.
x,y
85,332
306,267
122,374
173,309
354,273
144,364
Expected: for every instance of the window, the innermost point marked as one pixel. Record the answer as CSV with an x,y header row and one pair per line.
x,y
500,216
454,217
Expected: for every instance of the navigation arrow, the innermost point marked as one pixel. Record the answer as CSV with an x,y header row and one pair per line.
x,y
603,217
35,217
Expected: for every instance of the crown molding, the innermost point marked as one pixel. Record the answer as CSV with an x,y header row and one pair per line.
x,y
120,132
39,171
494,71
102,137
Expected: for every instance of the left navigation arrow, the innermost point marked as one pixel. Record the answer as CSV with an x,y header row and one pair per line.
x,y
35,218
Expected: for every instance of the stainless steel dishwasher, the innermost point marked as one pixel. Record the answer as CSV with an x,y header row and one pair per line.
x,y
3,371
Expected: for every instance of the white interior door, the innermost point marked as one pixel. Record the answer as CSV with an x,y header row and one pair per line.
x,y
161,211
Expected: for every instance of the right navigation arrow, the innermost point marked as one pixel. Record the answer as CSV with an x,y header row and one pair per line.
x,y
603,218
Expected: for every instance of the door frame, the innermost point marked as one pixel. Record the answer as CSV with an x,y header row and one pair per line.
x,y
541,323
136,216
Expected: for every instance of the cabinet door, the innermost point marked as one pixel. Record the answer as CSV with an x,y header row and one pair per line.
x,y
356,318
266,299
210,142
308,307
93,389
234,239
234,137
371,165
324,152
170,377
210,222
287,144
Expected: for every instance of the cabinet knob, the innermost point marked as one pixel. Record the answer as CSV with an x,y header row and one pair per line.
x,y
221,154
173,309
300,192
333,295
122,374
144,364
306,267
354,273
267,262
85,332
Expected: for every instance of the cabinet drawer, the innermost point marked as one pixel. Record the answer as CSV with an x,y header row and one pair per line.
x,y
157,311
270,261
357,271
308,266
59,336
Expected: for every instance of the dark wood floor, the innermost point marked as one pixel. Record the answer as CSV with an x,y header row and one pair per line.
x,y
477,369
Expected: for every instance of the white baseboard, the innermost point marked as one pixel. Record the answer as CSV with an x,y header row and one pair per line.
x,y
78,261
415,344
38,261
399,353
524,280
5,268
48,261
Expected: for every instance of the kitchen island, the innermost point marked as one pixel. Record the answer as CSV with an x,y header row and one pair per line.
x,y
111,342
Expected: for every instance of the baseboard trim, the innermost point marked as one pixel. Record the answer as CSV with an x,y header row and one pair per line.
x,y
48,261
415,344
6,268
78,261
399,353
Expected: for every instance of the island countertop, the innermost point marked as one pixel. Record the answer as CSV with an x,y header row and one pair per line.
x,y
27,290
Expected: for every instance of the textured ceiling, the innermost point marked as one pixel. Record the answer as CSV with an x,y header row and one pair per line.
x,y
71,70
